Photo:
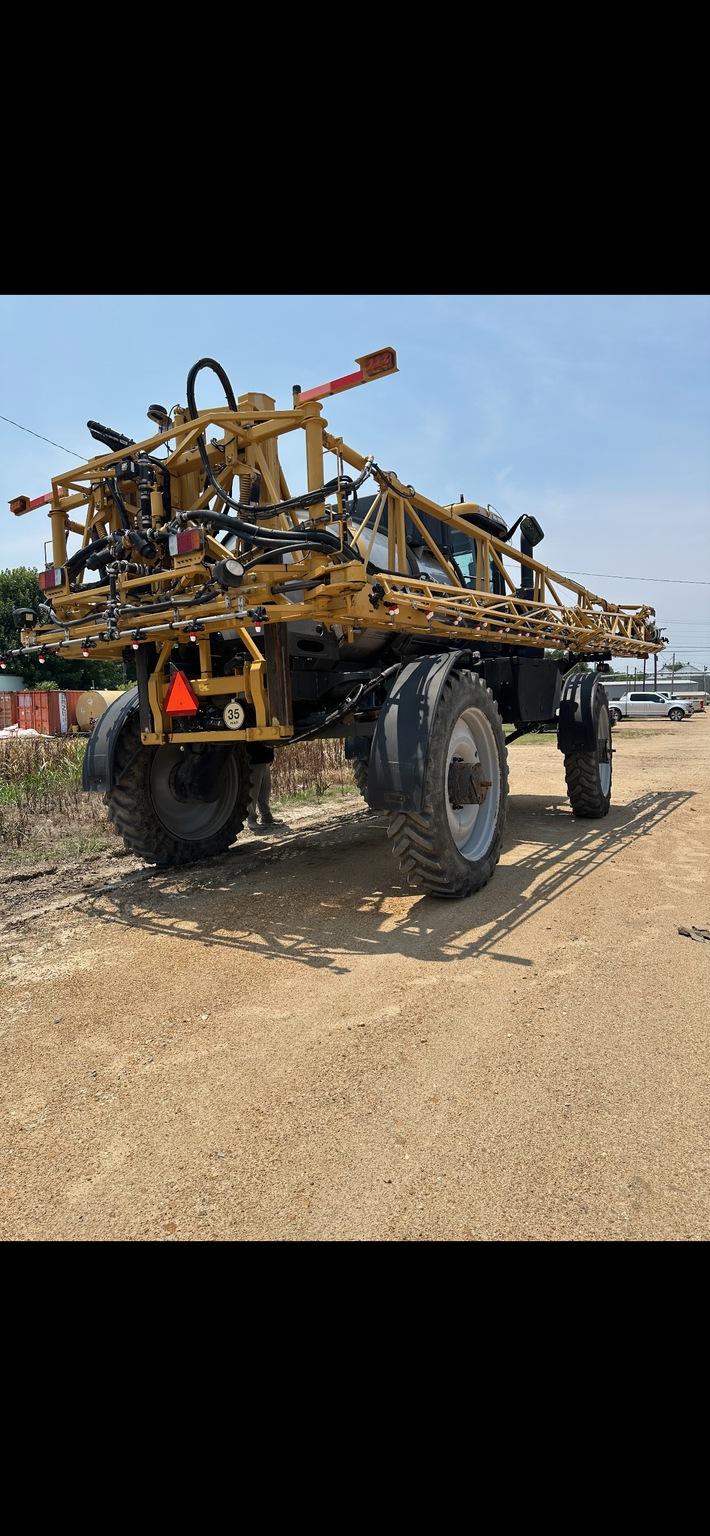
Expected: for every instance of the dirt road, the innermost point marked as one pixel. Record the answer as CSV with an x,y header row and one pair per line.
x,y
288,1043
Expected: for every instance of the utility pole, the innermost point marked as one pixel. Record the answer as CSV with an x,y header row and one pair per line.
x,y
673,675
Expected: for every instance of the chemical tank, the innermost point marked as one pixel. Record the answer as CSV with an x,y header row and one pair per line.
x,y
91,704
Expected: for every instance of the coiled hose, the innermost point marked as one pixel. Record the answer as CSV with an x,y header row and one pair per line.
x,y
247,530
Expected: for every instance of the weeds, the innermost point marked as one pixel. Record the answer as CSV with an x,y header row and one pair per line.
x,y
41,798
311,767
44,811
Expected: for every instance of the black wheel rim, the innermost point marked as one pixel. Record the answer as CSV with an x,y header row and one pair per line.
x,y
194,794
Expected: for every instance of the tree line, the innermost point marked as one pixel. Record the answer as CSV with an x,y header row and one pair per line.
x,y
18,587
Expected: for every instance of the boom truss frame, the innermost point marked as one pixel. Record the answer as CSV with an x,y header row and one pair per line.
x,y
337,588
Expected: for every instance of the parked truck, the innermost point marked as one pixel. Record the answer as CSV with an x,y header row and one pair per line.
x,y
358,607
646,706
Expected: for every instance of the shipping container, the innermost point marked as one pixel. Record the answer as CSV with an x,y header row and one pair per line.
x,y
8,710
72,696
49,713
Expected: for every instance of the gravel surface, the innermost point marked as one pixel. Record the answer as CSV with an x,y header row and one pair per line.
x,y
289,1043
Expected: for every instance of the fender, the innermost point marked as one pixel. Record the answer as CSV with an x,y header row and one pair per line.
x,y
400,745
97,772
576,731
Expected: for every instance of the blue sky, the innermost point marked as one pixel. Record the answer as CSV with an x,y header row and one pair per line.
x,y
590,412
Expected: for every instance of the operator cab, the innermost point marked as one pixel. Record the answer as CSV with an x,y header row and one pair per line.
x,y
453,542
458,547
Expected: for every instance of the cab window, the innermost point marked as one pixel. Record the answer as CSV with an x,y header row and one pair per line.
x,y
463,549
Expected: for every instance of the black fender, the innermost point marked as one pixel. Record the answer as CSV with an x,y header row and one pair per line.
x,y
576,730
400,745
97,772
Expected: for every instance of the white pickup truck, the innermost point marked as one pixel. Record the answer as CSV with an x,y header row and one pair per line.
x,y
641,706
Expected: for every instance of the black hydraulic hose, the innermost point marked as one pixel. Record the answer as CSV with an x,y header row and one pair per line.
x,y
280,549
119,503
297,585
69,623
167,602
77,561
145,480
250,533
248,530
233,525
347,705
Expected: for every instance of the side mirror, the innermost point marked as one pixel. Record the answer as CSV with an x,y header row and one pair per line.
x,y
531,530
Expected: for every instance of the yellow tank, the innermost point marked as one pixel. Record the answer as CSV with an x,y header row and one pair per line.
x,y
91,704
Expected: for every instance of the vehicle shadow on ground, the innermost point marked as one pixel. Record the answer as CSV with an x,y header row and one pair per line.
x,y
344,907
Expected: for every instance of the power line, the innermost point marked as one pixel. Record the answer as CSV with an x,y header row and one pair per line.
x,y
600,575
75,456
674,581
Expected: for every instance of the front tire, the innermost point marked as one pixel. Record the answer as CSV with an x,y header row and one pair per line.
x,y
174,807
452,847
676,714
588,773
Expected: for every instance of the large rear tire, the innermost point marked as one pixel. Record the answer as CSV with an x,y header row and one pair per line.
x,y
589,773
173,805
452,847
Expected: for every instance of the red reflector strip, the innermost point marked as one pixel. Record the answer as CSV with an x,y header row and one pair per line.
x,y
51,578
184,543
180,698
21,504
374,365
320,391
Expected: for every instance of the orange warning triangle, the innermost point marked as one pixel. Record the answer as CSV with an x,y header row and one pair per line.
x,y
180,699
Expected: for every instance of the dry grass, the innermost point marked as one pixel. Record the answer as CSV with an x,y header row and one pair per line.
x,y
312,768
44,811
42,807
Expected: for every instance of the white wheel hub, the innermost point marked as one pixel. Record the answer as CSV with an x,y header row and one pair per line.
x,y
473,742
604,750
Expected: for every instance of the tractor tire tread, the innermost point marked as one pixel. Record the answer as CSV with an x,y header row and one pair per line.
x,y
360,766
427,853
131,812
583,788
